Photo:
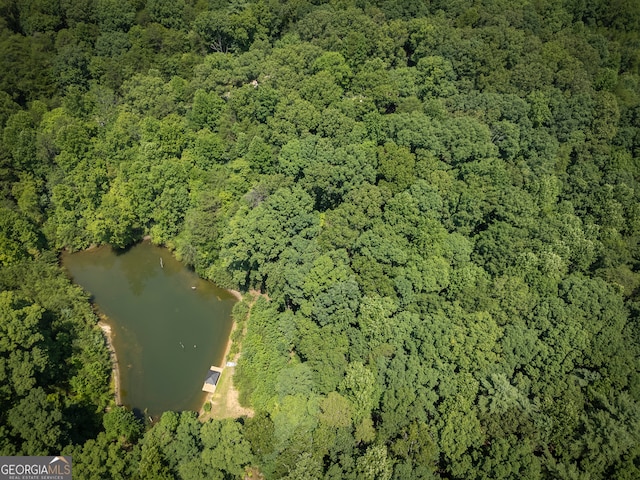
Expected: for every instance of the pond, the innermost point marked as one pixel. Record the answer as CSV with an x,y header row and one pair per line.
x,y
168,326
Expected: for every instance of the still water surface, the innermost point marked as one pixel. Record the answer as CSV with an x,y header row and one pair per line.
x,y
165,332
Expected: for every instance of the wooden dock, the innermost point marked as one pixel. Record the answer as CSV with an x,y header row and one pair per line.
x,y
211,380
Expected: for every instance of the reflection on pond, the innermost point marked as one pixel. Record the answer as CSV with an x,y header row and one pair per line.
x,y
168,325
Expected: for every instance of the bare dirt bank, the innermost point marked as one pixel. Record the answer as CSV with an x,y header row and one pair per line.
x,y
108,334
224,401
235,293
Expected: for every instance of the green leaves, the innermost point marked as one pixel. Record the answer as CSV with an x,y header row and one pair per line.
x,y
18,237
121,424
265,232
37,423
20,344
206,109
439,201
359,386
225,448
374,464
53,364
436,76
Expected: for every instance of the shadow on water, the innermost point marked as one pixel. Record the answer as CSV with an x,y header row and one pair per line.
x,y
139,414
144,417
140,266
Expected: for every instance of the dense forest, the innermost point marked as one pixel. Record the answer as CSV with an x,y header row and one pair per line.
x,y
439,201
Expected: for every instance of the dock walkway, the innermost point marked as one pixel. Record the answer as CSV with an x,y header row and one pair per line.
x,y
211,381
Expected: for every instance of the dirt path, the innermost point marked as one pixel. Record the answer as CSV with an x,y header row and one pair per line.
x,y
224,401
106,329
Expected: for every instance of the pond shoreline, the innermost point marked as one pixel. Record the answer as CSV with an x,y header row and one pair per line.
x,y
235,293
115,366
224,401
106,326
225,357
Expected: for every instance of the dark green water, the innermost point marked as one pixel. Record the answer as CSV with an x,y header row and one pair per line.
x,y
166,334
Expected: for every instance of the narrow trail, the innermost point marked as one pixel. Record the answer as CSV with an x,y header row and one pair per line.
x,y
224,402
